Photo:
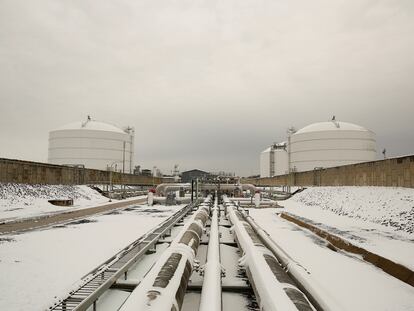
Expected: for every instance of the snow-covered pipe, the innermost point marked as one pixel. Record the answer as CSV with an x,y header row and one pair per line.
x,y
274,289
150,198
257,199
250,187
161,188
320,297
168,189
211,290
164,286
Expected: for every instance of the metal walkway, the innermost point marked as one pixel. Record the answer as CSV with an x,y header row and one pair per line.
x,y
103,277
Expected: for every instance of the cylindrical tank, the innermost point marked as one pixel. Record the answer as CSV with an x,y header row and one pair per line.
x,y
265,162
274,160
329,144
280,159
92,144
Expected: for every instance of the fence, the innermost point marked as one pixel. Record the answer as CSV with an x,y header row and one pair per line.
x,y
16,171
394,172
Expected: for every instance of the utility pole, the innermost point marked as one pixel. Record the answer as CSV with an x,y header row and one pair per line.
x,y
197,189
192,190
290,131
123,171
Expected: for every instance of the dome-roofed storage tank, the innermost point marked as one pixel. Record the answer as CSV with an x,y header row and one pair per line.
x,y
93,144
329,144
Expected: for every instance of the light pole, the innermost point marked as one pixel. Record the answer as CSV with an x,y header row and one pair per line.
x,y
111,187
291,130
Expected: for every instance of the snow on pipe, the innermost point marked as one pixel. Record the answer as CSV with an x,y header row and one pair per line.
x,y
161,188
176,188
250,187
164,286
211,290
274,289
320,297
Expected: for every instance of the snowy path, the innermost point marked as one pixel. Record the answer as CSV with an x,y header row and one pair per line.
x,y
354,284
56,218
38,265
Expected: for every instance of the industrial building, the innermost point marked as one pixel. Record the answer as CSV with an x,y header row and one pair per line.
x,y
188,176
93,144
319,145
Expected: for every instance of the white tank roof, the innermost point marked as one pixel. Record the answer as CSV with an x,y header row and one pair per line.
x,y
331,126
91,125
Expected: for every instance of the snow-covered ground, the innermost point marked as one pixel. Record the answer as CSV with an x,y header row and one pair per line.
x,y
389,207
36,266
376,218
23,201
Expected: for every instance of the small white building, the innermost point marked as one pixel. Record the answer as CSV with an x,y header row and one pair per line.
x,y
93,144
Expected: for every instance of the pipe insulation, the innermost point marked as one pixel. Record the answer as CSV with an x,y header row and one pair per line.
x,y
211,290
162,189
274,289
164,286
320,296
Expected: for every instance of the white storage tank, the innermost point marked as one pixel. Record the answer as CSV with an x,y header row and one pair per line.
x,y
274,160
329,144
280,159
265,160
93,144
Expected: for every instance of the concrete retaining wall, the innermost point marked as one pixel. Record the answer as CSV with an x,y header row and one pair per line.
x,y
395,172
16,171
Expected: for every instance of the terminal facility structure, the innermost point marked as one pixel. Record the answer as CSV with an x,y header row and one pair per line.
x,y
93,144
319,145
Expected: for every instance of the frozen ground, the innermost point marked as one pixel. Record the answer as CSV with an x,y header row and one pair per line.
x,y
376,218
389,207
350,283
37,266
22,200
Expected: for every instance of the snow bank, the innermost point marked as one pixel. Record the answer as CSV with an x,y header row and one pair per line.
x,y
389,207
378,219
23,200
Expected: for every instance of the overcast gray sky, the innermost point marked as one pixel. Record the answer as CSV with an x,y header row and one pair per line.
x,y
207,84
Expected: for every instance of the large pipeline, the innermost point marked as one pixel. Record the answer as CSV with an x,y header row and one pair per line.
x,y
163,189
274,289
319,296
211,290
163,288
